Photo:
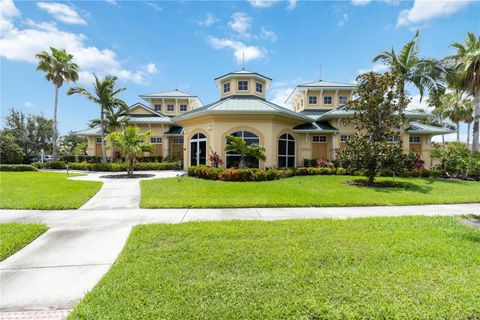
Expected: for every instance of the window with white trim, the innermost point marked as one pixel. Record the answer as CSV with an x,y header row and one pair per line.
x,y
158,107
183,107
415,139
226,87
312,99
170,108
343,138
327,100
319,139
177,141
242,85
286,151
259,87
342,100
99,140
232,159
390,139
156,140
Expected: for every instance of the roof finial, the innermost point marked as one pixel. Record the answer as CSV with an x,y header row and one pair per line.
x,y
320,73
243,59
176,83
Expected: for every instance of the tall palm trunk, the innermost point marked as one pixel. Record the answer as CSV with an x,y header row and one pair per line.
x,y
476,120
458,131
54,142
468,134
102,127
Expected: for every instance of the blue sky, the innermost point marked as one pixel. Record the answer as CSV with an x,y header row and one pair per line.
x,y
152,46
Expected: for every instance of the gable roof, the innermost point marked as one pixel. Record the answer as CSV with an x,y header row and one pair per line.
x,y
242,105
141,105
318,126
314,113
417,127
95,131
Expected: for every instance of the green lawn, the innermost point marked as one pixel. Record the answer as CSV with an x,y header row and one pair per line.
x,y
301,191
15,236
370,268
44,190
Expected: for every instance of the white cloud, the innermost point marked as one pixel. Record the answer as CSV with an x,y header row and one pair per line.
x,y
61,12
269,35
208,21
240,50
112,2
292,4
360,2
22,44
240,23
28,104
151,68
8,11
281,90
342,20
423,11
262,3
376,67
154,6
415,103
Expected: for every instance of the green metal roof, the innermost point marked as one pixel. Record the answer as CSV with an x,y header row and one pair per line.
x,y
174,131
319,126
343,112
243,72
327,84
134,118
95,131
417,127
314,113
242,105
169,94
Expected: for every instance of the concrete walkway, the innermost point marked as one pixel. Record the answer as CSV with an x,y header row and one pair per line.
x,y
49,276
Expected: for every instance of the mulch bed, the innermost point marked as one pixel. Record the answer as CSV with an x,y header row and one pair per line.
x,y
126,176
363,183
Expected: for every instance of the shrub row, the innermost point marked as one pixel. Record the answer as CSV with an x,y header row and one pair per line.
x,y
205,172
114,167
17,167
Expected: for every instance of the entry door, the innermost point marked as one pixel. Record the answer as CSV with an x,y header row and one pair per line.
x,y
198,150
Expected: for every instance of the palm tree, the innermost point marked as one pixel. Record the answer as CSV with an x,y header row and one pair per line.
x,y
114,119
468,119
131,142
238,146
466,64
58,68
106,97
456,106
409,67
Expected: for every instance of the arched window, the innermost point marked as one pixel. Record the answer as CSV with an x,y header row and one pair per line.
x,y
232,159
286,151
198,149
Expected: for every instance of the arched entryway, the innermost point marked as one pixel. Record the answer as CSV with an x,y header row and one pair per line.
x,y
286,151
198,149
232,159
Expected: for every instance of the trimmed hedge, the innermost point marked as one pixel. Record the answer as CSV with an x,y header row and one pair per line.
x,y
16,167
110,167
205,172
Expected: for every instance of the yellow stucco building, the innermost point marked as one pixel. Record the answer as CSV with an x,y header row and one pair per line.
x,y
183,128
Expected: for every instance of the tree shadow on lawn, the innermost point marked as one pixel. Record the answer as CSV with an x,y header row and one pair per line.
x,y
393,186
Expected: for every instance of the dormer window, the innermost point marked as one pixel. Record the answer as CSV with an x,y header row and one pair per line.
x,y
259,87
226,87
342,100
327,100
158,107
242,85
170,108
312,100
183,107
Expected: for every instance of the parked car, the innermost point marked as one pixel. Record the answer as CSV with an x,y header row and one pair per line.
x,y
47,158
